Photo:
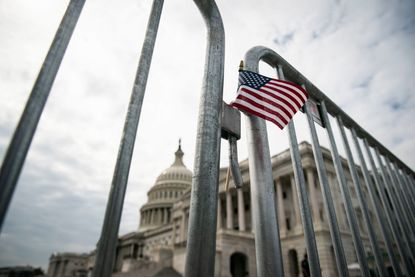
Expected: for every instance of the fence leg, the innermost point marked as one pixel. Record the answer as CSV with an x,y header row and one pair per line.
x,y
389,215
407,190
410,185
109,235
377,207
362,202
306,218
266,230
327,199
344,189
402,200
396,211
201,240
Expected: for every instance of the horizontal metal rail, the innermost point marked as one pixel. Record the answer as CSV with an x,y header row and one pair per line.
x,y
294,75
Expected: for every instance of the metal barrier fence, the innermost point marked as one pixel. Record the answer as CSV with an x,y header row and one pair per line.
x,y
393,183
390,182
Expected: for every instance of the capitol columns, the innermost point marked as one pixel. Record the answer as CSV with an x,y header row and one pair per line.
x,y
280,204
182,227
295,200
241,209
311,180
219,226
229,210
152,216
164,215
156,216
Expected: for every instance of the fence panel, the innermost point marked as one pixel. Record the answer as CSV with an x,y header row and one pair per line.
x,y
400,234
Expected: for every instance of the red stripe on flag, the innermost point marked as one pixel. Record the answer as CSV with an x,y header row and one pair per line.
x,y
293,85
283,94
295,98
266,100
262,107
250,111
301,96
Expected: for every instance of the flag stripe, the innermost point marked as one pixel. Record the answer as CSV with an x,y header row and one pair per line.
x,y
287,96
271,99
246,108
294,93
287,109
264,106
293,86
272,96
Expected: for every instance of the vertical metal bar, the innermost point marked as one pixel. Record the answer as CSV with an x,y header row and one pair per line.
x,y
406,193
362,202
411,185
377,207
407,190
389,215
345,193
398,213
405,207
266,230
303,202
25,130
306,218
327,198
109,235
233,163
201,240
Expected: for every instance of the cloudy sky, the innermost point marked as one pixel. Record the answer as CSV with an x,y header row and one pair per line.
x,y
359,53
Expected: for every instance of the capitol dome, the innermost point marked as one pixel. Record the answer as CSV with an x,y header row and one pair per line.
x,y
168,188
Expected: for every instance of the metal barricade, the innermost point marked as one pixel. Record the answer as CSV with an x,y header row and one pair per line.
x,y
396,179
390,183
206,170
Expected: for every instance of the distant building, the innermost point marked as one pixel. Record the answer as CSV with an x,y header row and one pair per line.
x,y
21,271
159,245
69,264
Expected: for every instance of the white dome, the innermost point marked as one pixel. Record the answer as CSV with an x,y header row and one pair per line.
x,y
177,172
169,187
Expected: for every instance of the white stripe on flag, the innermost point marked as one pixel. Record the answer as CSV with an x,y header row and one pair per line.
x,y
269,106
260,111
273,87
290,110
282,84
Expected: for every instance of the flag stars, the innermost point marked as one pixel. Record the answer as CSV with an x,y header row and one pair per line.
x,y
252,79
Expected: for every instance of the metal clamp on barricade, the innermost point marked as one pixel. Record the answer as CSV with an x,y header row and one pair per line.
x,y
231,131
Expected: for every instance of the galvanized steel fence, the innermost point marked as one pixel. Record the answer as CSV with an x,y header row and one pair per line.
x,y
394,211
389,182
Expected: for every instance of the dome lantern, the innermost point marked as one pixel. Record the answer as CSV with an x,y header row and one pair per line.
x,y
178,161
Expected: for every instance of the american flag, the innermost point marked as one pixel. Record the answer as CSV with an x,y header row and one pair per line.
x,y
271,99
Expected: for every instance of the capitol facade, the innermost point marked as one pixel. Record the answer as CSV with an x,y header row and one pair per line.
x,y
158,246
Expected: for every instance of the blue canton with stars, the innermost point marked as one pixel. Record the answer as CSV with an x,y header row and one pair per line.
x,y
252,79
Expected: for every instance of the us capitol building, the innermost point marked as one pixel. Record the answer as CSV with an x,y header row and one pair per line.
x,y
158,247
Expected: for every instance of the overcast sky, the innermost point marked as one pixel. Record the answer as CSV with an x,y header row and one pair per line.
x,y
359,53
